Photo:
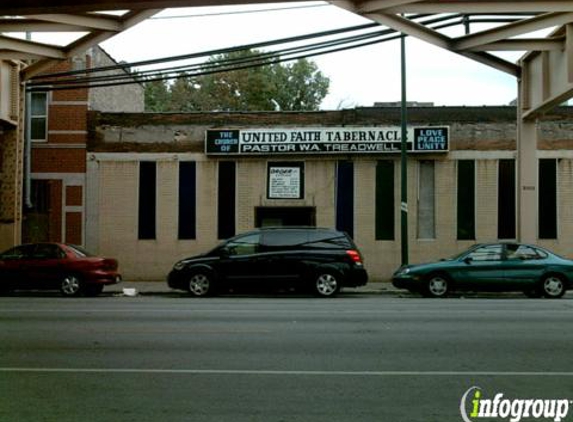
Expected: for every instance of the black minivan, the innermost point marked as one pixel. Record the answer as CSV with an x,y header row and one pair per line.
x,y
321,260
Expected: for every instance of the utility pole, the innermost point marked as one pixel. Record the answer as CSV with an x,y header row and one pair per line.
x,y
404,156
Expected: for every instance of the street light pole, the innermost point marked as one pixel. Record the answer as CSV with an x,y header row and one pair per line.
x,y
404,156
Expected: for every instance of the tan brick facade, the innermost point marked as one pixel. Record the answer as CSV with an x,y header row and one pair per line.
x,y
11,173
151,259
113,179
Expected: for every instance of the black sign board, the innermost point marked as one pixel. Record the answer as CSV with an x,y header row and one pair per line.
x,y
222,142
326,140
434,139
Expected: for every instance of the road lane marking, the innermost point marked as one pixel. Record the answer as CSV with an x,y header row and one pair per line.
x,y
289,373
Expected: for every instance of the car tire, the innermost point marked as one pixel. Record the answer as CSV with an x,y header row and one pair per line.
x,y
553,286
437,285
71,285
326,284
201,284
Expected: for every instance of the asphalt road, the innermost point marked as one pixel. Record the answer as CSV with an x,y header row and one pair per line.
x,y
353,358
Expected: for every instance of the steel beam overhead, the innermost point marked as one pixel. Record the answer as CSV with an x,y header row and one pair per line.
x,y
30,47
93,21
490,7
523,44
382,6
508,31
128,20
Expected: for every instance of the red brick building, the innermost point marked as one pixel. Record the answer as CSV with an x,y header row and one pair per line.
x,y
54,201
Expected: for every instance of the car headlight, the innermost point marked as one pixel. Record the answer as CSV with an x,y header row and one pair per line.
x,y
179,266
402,271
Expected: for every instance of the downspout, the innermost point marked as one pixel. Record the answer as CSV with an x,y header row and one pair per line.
x,y
27,151
27,142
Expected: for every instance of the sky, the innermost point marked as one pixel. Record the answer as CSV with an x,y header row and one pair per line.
x,y
358,77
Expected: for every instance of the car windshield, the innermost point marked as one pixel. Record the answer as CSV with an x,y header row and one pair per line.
x,y
460,255
465,252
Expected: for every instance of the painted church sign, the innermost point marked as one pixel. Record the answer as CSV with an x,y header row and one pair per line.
x,y
326,140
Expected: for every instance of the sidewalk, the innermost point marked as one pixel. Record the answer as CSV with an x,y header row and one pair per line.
x,y
160,287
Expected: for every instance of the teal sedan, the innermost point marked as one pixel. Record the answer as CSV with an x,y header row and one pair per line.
x,y
499,267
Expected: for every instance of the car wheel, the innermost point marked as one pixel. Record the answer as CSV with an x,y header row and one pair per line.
x,y
553,286
71,285
326,284
200,284
437,286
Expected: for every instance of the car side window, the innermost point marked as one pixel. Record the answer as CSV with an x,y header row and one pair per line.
x,y
522,252
14,253
330,240
245,245
486,253
19,252
284,239
48,252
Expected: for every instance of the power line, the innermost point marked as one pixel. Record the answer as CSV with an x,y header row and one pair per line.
x,y
211,52
262,58
46,82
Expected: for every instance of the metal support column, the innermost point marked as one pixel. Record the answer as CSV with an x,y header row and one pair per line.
x,y
527,184
404,157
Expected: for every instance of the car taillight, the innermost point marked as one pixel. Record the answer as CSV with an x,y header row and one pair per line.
x,y
354,256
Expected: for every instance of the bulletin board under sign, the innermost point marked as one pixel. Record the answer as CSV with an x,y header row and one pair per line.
x,y
321,140
285,180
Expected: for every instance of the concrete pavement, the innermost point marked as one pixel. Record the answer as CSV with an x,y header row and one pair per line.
x,y
160,287
360,358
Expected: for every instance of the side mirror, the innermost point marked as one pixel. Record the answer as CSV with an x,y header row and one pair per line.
x,y
468,259
224,252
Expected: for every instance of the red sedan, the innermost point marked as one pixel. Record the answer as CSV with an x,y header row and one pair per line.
x,y
53,266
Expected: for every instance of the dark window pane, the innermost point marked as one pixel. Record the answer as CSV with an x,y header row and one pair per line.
x,y
466,200
426,200
385,200
38,128
226,200
506,200
345,197
147,200
40,196
187,200
547,199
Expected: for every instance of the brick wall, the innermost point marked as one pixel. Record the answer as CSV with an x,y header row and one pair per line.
x,y
74,195
62,160
67,117
58,160
74,228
